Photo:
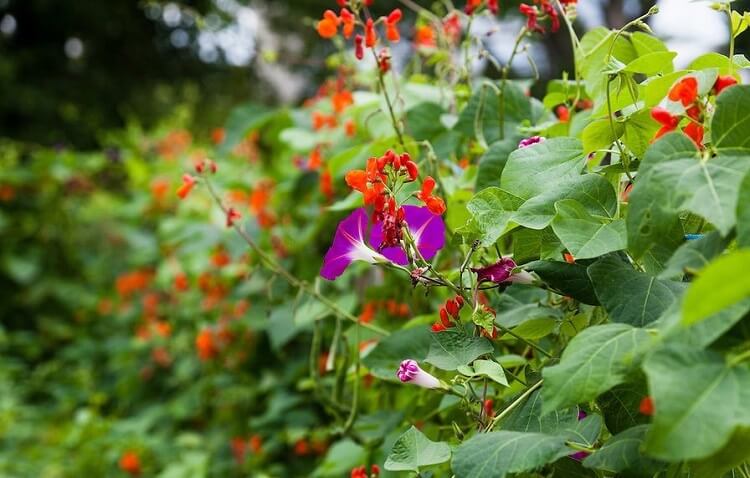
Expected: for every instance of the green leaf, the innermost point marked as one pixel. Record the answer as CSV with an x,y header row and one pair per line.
x,y
629,296
599,135
620,405
592,191
595,360
700,334
384,359
491,210
732,455
496,454
731,121
640,129
340,458
699,402
492,163
241,121
570,279
414,450
530,170
451,349
743,213
721,284
739,24
584,235
485,368
480,118
622,453
652,63
529,417
423,121
692,256
645,43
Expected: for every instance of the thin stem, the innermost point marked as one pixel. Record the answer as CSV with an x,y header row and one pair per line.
x,y
387,97
513,405
271,264
527,342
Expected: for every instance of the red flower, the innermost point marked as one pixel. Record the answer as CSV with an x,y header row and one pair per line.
x,y
359,51
341,100
723,82
472,5
694,131
371,36
438,327
328,26
187,185
326,184
531,17
206,345
433,203
384,61
665,118
232,216
425,37
563,113
391,26
301,448
489,408
350,128
647,406
347,19
130,463
685,91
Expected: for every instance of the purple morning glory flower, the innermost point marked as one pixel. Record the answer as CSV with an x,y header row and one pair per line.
x,y
409,371
349,243
529,141
502,271
427,229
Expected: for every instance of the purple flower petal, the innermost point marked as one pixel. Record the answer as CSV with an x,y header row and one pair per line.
x,y
526,142
349,245
427,229
498,272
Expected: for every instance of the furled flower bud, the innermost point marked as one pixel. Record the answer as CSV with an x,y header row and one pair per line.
x,y
529,141
409,371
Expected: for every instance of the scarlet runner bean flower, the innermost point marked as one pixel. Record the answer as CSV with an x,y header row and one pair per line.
x,y
433,203
130,463
723,82
424,37
371,36
451,309
685,91
361,472
666,119
188,182
646,406
391,25
328,26
232,216
348,21
410,372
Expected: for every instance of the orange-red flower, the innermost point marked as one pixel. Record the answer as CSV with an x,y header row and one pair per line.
x,y
667,121
425,37
433,203
206,345
371,36
347,19
563,113
328,26
646,406
685,91
188,182
341,99
232,216
695,132
130,463
723,82
391,25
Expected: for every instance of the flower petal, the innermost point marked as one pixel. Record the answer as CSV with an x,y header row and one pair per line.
x,y
427,229
348,246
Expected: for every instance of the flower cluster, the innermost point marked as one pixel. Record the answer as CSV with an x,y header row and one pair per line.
x,y
541,10
350,20
473,5
449,314
684,95
361,472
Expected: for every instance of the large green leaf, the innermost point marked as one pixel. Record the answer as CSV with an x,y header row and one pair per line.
x,y
743,213
410,343
496,454
584,235
485,368
529,171
703,333
570,279
622,453
529,417
620,405
492,163
593,191
481,117
599,134
652,63
423,121
595,360
694,255
413,450
736,452
451,349
699,402
491,211
241,121
721,284
630,296
731,122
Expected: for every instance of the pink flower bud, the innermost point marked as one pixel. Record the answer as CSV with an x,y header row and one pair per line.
x,y
409,371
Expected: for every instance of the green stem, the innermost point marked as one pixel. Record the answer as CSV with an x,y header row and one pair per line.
x,y
387,97
527,342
